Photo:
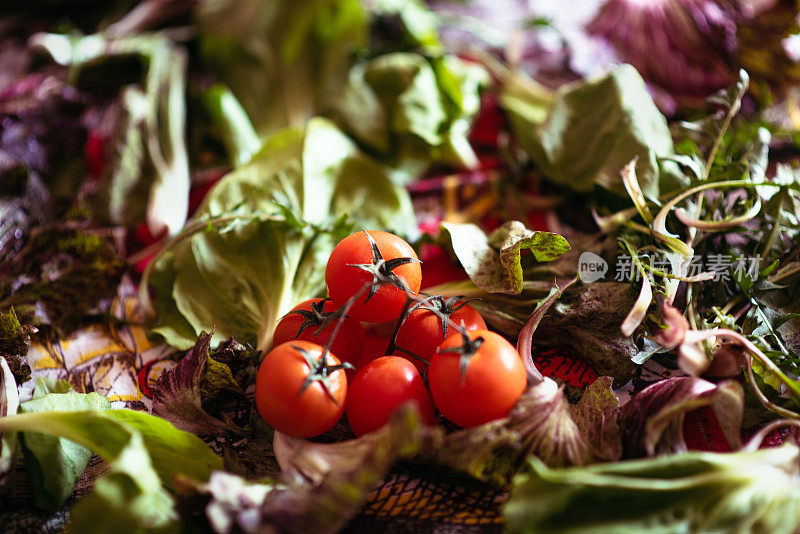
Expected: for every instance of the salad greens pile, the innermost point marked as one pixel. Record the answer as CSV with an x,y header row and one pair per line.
x,y
301,124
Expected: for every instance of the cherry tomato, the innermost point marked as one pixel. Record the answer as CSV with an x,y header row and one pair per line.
x,y
493,381
383,385
423,330
283,401
375,345
304,320
355,263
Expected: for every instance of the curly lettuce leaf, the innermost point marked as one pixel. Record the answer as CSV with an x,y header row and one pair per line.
x,y
690,492
273,225
494,262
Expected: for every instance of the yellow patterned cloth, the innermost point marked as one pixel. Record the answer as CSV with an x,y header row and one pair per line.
x,y
115,360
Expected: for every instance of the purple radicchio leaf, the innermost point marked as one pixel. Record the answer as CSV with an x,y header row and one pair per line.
x,y
652,421
178,393
684,47
596,417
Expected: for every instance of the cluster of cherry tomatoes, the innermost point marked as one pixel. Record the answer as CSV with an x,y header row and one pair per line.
x,y
378,343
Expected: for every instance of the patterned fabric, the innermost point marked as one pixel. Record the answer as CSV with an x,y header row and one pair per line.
x,y
109,359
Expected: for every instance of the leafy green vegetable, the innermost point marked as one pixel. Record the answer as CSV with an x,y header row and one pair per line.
x,y
129,497
241,140
690,492
55,464
147,169
594,128
411,111
15,341
62,278
493,262
146,455
301,54
180,393
278,218
418,23
107,433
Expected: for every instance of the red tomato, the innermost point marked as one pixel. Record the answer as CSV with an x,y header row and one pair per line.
x,y
494,378
423,331
304,320
281,399
375,345
393,260
383,385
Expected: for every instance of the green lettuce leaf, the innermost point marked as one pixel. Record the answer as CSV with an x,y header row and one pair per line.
x,y
690,492
411,111
129,497
54,463
594,128
147,458
493,262
301,52
277,220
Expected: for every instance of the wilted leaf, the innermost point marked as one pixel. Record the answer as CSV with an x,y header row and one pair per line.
x,y
586,320
323,485
493,262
